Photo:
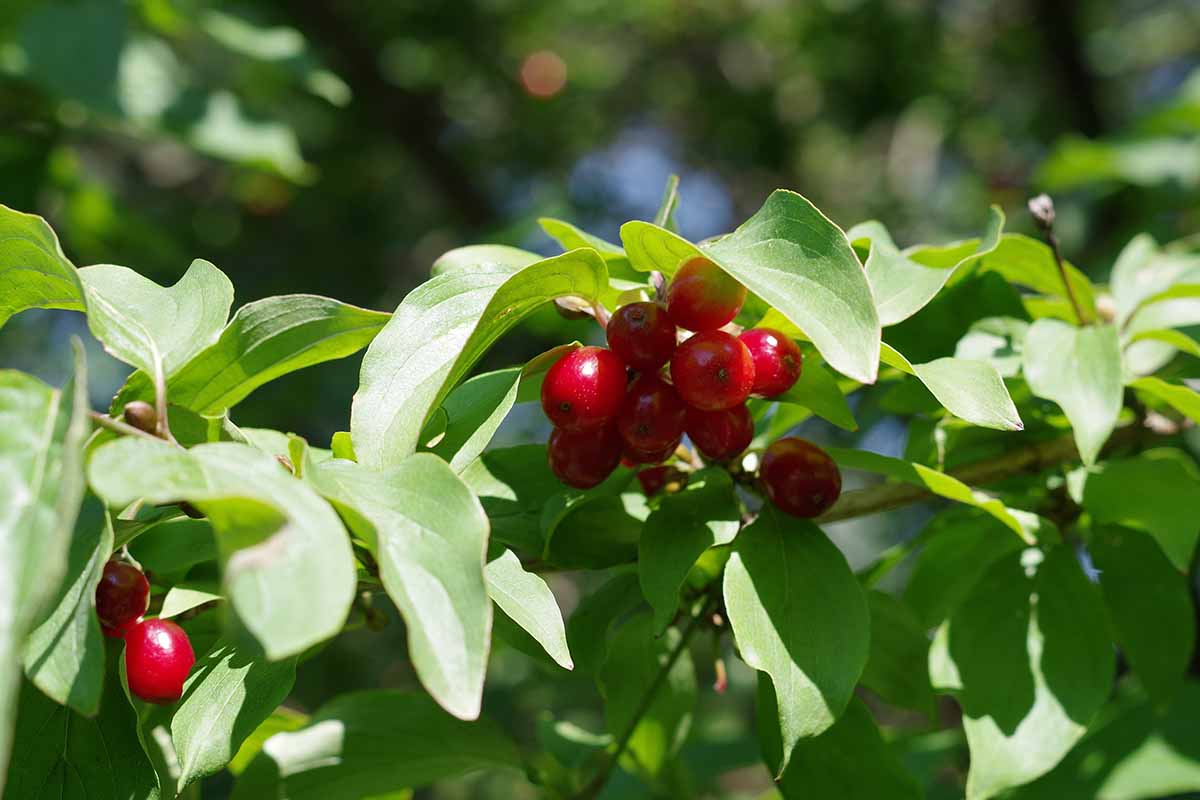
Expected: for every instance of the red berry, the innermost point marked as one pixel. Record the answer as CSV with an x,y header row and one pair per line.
x,y
642,335
712,371
720,435
158,657
652,415
122,596
703,297
583,459
800,478
584,389
636,456
777,361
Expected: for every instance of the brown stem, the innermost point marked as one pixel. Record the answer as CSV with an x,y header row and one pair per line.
x,y
119,427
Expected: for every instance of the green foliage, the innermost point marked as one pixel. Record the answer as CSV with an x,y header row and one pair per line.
x,y
1068,439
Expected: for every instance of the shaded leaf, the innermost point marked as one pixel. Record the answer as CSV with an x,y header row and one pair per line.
x,y
799,615
817,389
370,743
514,484
589,627
1150,608
898,665
1183,399
705,513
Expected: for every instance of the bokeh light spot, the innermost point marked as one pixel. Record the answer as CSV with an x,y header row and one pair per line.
x,y
543,74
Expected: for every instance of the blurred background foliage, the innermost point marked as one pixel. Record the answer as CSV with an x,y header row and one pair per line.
x,y
339,148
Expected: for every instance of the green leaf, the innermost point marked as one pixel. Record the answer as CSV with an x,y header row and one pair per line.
x,y
898,666
474,412
1138,753
902,286
265,339
817,389
64,656
938,483
58,753
514,484
156,329
227,695
1080,369
1000,341
439,331
676,533
1153,492
636,655
1031,663
961,544
972,390
42,432
1150,607
799,615
429,534
287,565
282,719
594,618
799,262
173,547
528,601
1028,262
849,761
572,238
33,270
665,216
597,529
1181,398
1175,339
1145,274
483,256
188,595
372,743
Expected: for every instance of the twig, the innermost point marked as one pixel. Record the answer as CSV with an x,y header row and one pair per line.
x,y
160,405
119,427
596,784
1042,209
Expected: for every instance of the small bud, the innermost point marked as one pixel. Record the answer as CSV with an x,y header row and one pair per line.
x,y
1042,209
142,416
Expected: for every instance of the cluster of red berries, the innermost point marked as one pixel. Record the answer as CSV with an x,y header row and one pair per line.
x,y
158,654
637,398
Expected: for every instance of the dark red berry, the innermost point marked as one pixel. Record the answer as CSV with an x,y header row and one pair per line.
x,y
777,361
712,371
703,297
636,456
720,435
584,389
158,657
654,479
652,414
583,459
642,335
800,478
122,596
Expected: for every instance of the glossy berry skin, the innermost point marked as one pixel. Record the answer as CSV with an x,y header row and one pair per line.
x,y
122,596
777,361
712,371
720,435
703,297
584,389
652,414
158,657
642,335
800,478
583,459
